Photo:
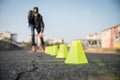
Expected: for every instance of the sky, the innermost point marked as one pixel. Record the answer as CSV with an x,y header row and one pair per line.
x,y
66,19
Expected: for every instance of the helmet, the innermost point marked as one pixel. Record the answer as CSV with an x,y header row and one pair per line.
x,y
35,9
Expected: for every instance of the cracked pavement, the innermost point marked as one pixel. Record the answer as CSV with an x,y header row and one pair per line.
x,y
24,65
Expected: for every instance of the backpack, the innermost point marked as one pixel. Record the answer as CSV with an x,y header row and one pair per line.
x,y
31,18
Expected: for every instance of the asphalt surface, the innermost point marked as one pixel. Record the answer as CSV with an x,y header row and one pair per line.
x,y
24,65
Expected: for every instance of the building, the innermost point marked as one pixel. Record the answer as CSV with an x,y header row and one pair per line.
x,y
10,36
94,40
110,38
1,36
54,41
49,41
58,41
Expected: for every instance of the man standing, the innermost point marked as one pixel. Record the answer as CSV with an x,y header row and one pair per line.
x,y
36,22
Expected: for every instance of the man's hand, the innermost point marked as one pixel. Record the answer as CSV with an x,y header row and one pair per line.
x,y
40,34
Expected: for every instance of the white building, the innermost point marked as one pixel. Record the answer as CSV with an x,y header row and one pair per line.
x,y
54,41
111,37
7,35
57,40
94,40
48,41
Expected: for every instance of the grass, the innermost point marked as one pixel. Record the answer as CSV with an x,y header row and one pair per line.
x,y
99,62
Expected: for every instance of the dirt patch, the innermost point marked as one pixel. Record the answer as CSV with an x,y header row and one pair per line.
x,y
102,50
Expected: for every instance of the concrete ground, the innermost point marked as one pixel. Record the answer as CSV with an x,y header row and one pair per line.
x,y
24,65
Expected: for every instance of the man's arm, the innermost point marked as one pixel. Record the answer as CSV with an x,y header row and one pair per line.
x,y
42,26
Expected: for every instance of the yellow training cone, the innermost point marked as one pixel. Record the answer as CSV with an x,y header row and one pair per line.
x,y
47,49
63,51
50,50
54,51
76,54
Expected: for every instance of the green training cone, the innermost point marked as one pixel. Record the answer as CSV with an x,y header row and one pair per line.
x,y
54,51
76,54
63,51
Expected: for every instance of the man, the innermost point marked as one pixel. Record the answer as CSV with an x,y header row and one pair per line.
x,y
36,22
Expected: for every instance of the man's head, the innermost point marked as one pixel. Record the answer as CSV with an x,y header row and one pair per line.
x,y
35,9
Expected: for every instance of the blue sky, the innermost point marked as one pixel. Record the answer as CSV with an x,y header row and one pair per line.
x,y
67,19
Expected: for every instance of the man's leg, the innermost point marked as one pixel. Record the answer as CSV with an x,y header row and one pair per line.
x,y
33,39
42,40
42,44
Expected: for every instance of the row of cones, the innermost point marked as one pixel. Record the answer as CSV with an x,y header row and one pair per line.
x,y
75,55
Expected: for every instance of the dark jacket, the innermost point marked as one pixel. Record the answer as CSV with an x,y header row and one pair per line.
x,y
39,22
